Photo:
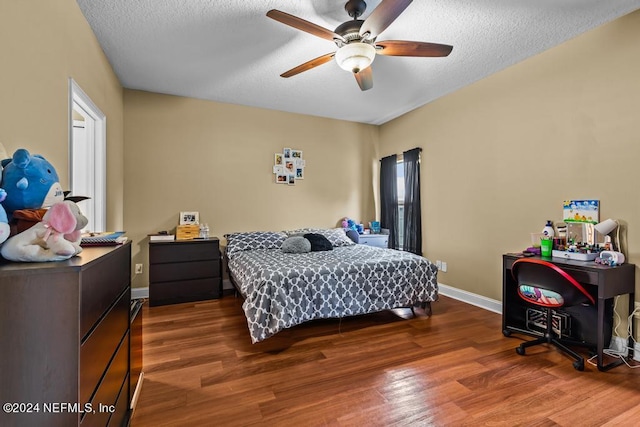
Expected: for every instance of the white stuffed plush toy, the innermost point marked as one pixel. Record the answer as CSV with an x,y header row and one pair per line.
x,y
5,230
56,238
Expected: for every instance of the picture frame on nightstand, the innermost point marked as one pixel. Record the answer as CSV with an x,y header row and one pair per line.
x,y
189,218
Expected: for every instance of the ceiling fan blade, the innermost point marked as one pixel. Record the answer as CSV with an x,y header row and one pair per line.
x,y
364,78
309,65
301,24
408,48
382,16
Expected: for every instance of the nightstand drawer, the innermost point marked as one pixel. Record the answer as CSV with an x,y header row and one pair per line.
x,y
184,291
184,271
378,240
193,250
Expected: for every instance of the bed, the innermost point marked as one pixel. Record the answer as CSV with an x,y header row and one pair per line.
x,y
281,290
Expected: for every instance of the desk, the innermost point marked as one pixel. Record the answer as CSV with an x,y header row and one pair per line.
x,y
602,281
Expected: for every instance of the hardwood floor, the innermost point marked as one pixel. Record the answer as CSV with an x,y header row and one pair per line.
x,y
453,368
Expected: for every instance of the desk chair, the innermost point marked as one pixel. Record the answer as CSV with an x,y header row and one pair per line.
x,y
546,285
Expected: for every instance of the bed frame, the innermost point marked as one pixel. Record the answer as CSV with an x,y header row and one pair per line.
x,y
426,306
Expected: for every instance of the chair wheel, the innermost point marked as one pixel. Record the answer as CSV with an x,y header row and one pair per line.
x,y
506,332
520,351
579,365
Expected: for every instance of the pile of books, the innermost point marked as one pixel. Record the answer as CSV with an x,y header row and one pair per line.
x,y
105,238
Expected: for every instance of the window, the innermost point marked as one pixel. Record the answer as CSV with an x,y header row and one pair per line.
x,y
400,205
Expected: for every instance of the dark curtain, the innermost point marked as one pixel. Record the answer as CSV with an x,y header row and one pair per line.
x,y
389,198
412,210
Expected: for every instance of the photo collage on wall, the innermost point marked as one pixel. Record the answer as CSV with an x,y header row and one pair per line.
x,y
288,166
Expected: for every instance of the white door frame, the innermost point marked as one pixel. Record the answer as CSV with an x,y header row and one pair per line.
x,y
79,99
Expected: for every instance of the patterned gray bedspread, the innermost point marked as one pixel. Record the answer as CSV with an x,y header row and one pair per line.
x,y
282,290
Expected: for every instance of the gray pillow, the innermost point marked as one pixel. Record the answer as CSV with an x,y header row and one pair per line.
x,y
296,245
353,235
251,240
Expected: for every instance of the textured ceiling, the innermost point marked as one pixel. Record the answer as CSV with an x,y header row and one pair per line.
x,y
229,51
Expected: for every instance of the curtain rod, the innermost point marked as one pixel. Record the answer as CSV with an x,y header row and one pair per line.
x,y
419,148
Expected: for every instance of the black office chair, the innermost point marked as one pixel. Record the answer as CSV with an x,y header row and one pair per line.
x,y
546,285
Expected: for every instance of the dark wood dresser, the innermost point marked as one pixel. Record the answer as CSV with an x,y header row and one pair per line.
x,y
184,271
64,326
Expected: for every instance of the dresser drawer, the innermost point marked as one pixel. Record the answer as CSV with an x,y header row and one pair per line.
x,y
101,285
96,351
183,251
122,407
109,389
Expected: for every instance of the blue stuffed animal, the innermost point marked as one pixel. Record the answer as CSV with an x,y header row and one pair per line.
x,y
4,221
31,182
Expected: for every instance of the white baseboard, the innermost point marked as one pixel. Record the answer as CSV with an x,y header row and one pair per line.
x,y
139,293
617,343
136,393
470,298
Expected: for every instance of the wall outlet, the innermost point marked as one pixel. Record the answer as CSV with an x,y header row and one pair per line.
x,y
138,268
444,267
439,264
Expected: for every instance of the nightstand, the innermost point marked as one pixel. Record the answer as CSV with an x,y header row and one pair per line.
x,y
378,240
184,271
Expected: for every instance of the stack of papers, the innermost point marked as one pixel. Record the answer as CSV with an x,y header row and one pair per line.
x,y
105,238
161,237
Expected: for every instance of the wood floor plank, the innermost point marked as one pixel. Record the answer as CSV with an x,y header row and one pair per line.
x,y
454,368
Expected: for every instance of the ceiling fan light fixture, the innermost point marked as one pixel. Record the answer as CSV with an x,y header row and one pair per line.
x,y
355,56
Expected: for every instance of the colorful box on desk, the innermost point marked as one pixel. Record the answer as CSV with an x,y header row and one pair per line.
x,y
187,232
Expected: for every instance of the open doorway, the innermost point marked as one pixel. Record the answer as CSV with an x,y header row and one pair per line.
x,y
87,156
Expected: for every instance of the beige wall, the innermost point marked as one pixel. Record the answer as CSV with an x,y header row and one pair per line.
x,y
42,44
186,154
500,156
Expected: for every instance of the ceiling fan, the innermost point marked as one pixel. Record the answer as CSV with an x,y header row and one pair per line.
x,y
356,39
